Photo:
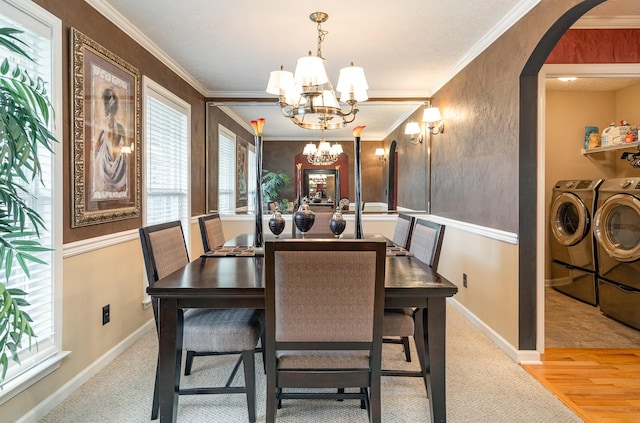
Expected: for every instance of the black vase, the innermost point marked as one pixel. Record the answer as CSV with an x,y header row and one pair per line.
x,y
337,223
304,218
276,223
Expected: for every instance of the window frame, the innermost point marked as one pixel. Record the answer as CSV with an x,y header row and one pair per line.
x,y
228,134
30,15
169,99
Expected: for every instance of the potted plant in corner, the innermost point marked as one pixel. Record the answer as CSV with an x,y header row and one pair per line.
x,y
25,113
272,184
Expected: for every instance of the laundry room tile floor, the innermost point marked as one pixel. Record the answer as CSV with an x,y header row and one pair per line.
x,y
570,323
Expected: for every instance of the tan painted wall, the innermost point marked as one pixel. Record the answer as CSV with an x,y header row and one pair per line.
x,y
492,278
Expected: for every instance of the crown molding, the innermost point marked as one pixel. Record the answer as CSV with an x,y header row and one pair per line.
x,y
501,27
128,28
247,126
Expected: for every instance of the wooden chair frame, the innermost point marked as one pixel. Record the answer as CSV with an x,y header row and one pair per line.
x,y
368,380
434,258
202,223
246,357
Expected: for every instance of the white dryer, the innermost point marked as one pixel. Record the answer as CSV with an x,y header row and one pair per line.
x,y
617,231
573,264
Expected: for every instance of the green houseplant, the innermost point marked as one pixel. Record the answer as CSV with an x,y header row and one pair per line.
x,y
272,184
25,113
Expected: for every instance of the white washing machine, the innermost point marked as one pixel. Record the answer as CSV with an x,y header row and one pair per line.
x,y
617,231
573,261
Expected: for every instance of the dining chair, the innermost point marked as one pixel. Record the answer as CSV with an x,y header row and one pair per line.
x,y
395,323
403,230
399,323
205,331
211,231
324,307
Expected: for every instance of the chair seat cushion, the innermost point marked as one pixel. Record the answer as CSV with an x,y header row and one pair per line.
x,y
398,322
323,359
222,330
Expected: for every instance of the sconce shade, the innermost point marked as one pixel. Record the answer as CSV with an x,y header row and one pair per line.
x,y
431,114
379,152
412,128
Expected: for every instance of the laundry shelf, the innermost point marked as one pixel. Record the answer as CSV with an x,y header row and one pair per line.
x,y
613,147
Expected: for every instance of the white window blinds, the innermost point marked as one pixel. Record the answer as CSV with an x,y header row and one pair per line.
x,y
166,155
226,171
39,33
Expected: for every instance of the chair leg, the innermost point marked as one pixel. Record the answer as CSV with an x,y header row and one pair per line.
x,y
155,406
271,410
421,348
375,411
264,353
407,350
189,362
249,361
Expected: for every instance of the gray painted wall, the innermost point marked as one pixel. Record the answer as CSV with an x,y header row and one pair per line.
x,y
475,161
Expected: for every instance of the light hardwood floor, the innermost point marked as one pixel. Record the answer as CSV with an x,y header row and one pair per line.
x,y
591,362
600,385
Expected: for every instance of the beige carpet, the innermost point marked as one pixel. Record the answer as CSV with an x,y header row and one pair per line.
x,y
483,385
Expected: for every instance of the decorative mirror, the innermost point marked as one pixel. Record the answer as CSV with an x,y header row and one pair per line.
x,y
320,186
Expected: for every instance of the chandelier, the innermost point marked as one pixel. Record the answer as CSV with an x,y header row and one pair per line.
x,y
308,98
324,154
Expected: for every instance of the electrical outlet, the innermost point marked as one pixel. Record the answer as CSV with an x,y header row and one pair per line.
x,y
464,280
106,315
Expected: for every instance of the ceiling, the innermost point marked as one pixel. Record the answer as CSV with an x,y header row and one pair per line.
x,y
408,49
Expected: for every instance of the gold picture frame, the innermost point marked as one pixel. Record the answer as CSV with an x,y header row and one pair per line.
x,y
106,105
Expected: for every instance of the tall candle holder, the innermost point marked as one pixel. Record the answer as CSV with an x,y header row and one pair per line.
x,y
299,197
337,197
258,239
358,234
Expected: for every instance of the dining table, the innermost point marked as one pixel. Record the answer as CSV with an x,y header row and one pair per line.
x,y
235,279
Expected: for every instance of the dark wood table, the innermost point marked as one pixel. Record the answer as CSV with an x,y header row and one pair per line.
x,y
238,282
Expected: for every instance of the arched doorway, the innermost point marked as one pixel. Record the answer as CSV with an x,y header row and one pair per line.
x,y
529,245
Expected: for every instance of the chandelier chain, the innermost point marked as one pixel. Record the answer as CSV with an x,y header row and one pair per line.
x,y
321,35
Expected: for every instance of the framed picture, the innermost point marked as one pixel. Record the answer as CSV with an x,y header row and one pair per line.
x,y
106,105
242,179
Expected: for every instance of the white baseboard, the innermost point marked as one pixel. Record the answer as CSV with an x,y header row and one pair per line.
x,y
53,400
519,356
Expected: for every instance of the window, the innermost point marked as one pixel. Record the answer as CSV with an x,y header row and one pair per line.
x,y
43,35
226,171
167,135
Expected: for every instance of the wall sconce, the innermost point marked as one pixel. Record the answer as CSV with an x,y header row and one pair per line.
x,y
433,120
413,129
380,154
